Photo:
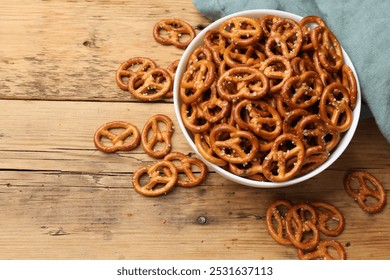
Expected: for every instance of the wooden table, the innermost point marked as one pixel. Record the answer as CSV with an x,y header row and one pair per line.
x,y
61,198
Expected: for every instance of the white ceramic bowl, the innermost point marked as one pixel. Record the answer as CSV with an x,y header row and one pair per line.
x,y
335,154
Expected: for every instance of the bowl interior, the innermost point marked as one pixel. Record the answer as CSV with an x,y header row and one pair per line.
x,y
346,137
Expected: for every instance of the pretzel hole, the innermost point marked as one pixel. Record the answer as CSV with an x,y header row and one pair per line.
x,y
332,223
190,91
327,138
164,34
138,83
106,142
332,252
144,179
286,145
354,184
213,110
371,201
292,42
274,47
184,38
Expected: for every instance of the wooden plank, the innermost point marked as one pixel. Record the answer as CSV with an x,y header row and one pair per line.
x,y
90,216
70,50
50,135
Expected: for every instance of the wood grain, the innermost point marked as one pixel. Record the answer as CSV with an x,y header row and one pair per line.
x,y
61,198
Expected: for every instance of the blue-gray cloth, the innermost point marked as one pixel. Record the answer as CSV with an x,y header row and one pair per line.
x,y
362,28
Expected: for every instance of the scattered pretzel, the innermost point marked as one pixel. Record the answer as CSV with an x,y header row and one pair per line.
x,y
119,142
276,224
185,167
151,85
302,225
162,177
152,134
322,251
298,224
172,31
368,188
130,67
328,215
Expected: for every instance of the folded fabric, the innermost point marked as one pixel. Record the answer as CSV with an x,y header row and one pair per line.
x,y
362,28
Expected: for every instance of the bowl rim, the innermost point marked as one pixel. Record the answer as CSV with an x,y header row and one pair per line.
x,y
335,154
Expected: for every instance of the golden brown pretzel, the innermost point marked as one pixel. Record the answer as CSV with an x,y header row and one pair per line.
x,y
307,24
314,157
128,68
267,22
275,219
196,80
278,69
233,145
200,53
242,82
263,119
236,56
243,31
214,108
349,81
216,43
301,64
331,221
202,142
286,35
151,85
328,47
252,169
118,141
302,91
312,130
152,134
326,77
368,188
286,147
194,118
172,32
301,219
185,167
334,107
322,251
291,120
332,138
162,177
